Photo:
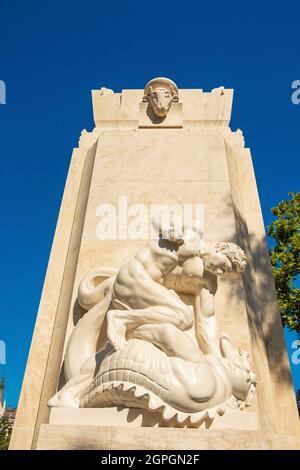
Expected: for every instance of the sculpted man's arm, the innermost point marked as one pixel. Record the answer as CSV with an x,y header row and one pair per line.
x,y
206,325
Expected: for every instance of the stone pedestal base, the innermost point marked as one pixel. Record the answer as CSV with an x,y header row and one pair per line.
x,y
124,417
83,437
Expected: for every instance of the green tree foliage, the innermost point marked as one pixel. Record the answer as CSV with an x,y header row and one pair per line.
x,y
285,258
5,432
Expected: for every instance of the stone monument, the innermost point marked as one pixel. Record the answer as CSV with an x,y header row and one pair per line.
x,y
158,326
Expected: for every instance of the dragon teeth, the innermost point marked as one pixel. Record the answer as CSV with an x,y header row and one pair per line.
x,y
168,413
127,386
212,413
140,392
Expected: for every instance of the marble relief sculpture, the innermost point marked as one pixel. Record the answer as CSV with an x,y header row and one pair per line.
x,y
160,93
141,345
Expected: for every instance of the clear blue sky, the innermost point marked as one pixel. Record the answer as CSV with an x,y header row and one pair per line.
x,y
53,53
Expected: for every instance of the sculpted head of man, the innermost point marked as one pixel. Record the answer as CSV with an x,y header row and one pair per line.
x,y
168,226
225,259
160,93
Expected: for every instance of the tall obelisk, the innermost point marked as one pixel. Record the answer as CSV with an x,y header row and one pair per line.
x,y
158,145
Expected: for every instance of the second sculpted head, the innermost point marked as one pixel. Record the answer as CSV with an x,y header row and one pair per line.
x,y
160,93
